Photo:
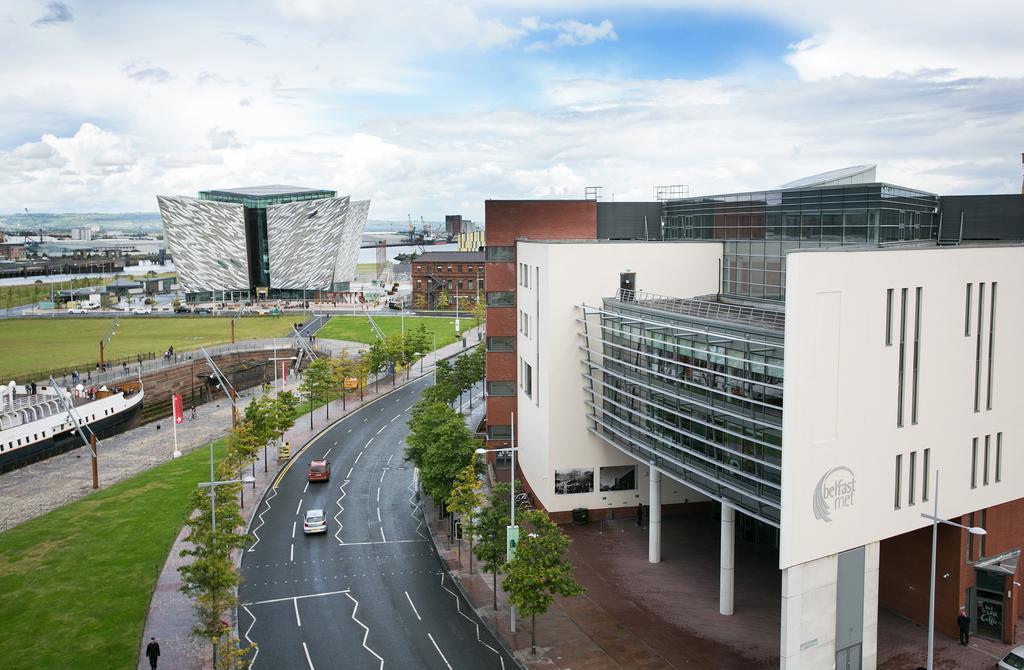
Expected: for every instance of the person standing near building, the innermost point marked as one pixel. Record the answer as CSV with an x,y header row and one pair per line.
x,y
963,622
152,652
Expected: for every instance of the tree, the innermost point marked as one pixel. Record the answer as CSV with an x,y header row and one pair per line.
x,y
539,571
376,358
479,310
466,497
244,444
442,299
420,301
490,525
440,445
343,367
316,384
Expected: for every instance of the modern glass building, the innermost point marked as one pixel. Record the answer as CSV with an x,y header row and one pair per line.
x,y
262,241
839,208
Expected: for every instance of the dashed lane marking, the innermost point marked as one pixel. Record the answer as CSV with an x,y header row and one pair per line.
x,y
382,538
308,660
326,453
438,651
389,460
397,416
367,443
299,507
418,617
378,516
294,524
298,619
381,429
306,487
382,473
291,553
349,475
357,458
378,494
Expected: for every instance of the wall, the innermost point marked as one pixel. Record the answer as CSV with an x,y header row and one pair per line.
x,y
552,423
841,391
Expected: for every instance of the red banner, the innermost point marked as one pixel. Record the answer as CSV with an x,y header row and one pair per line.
x,y
179,416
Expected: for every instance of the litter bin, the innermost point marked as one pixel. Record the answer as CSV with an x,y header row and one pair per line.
x,y
580,515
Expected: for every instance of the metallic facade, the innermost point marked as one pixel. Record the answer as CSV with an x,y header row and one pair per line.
x,y
207,242
304,238
351,239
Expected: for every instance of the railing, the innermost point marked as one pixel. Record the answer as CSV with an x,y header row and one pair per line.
x,y
705,309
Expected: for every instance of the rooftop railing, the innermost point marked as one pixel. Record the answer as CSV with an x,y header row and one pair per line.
x,y
705,309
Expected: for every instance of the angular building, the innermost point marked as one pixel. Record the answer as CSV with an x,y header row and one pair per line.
x,y
263,241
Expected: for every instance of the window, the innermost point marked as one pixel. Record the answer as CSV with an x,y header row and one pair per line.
x,y
501,344
999,457
917,355
449,284
501,388
500,253
991,344
984,474
501,299
899,476
888,317
912,479
974,463
469,284
902,358
977,355
527,379
499,432
925,476
449,268
967,312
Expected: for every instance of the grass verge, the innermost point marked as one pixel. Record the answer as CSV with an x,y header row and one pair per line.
x,y
76,582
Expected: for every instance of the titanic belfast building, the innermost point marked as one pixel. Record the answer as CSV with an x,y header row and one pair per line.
x,y
263,241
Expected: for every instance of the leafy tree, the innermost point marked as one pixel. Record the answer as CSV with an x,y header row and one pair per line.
x,y
376,358
442,299
244,444
420,301
465,499
479,310
316,384
490,526
539,571
440,445
344,367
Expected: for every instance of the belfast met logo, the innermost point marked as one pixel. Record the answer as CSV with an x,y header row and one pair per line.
x,y
834,492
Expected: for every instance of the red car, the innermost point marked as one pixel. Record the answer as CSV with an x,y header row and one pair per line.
x,y
319,471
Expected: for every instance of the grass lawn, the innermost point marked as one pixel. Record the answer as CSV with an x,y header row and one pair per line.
x,y
25,294
357,328
76,582
33,345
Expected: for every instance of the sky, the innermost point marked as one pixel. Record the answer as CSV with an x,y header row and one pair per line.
x,y
430,107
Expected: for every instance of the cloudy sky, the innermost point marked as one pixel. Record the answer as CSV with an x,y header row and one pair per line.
x,y
430,107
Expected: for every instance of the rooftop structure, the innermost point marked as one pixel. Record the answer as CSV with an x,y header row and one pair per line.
x,y
264,196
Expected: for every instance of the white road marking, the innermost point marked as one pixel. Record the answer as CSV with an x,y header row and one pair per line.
x,y
458,608
349,475
291,553
397,416
253,547
418,617
389,460
252,644
382,538
378,494
378,516
294,524
299,507
306,487
358,544
328,451
364,420
357,458
381,429
438,651
308,595
366,634
408,408
298,620
382,473
367,443
337,533
306,649
350,430
335,444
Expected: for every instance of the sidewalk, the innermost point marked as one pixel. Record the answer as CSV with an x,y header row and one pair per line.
x,y
171,615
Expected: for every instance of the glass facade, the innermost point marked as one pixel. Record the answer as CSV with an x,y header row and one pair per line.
x,y
758,229
701,397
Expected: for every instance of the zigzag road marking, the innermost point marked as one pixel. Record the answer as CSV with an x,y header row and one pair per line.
x,y
458,608
340,510
269,498
252,663
366,634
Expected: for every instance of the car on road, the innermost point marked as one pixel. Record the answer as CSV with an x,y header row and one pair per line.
x,y
319,471
78,310
1014,660
181,309
314,522
202,310
141,310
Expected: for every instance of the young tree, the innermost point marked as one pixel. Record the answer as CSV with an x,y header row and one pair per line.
x,y
466,497
420,301
490,525
376,359
479,311
539,571
244,444
442,299
316,384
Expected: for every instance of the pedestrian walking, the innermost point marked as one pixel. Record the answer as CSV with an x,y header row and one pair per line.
x,y
192,414
640,515
963,622
152,652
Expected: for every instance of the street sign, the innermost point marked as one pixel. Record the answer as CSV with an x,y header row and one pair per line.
x,y
511,541
351,382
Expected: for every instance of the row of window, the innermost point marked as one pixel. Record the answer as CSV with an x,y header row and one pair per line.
x,y
457,268
912,478
980,338
467,286
916,349
42,435
987,460
500,254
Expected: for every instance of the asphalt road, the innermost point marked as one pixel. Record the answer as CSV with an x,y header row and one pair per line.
x,y
371,592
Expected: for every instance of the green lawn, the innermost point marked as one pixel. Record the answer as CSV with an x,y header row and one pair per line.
x,y
76,582
25,294
357,328
34,345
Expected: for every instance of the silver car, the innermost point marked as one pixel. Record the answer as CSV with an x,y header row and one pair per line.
x,y
1014,660
314,522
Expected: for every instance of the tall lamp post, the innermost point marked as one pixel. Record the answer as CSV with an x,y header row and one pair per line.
x,y
512,531
936,520
104,341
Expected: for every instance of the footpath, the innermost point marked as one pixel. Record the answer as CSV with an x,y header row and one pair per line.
x,y
171,615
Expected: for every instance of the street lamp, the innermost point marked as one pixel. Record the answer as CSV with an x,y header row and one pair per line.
x,y
936,520
512,531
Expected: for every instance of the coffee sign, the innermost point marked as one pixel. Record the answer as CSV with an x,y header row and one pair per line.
x,y
834,493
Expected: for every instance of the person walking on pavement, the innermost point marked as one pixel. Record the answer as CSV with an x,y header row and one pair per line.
x,y
640,515
963,622
152,652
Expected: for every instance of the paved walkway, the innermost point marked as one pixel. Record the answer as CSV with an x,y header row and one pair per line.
x,y
171,615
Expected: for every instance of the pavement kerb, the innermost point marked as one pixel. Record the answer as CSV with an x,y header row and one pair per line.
x,y
458,583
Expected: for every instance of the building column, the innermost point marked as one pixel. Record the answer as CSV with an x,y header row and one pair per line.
x,y
654,518
727,564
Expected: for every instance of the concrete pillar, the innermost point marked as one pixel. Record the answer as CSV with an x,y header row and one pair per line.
x,y
654,518
727,564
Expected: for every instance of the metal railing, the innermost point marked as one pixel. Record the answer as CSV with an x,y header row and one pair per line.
x,y
705,309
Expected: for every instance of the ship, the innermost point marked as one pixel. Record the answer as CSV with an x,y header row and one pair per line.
x,y
40,421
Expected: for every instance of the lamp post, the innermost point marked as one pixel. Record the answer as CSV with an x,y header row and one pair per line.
x,y
936,520
512,532
104,341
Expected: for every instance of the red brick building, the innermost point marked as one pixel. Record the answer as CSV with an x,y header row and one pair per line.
x,y
454,273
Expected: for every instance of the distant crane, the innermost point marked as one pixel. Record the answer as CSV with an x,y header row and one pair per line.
x,y
32,218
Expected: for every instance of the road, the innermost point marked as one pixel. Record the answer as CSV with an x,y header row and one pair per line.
x,y
371,592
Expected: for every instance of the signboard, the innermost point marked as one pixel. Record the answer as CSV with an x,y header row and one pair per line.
x,y
511,541
457,329
179,416
351,382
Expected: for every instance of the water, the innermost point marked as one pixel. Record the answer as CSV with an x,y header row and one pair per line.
x,y
370,255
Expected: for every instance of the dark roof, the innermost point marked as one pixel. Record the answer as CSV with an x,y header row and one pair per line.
x,y
268,191
124,283
450,257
